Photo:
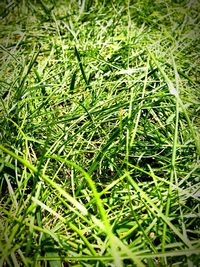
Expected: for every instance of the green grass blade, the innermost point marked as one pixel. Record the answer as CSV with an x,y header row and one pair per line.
x,y
159,213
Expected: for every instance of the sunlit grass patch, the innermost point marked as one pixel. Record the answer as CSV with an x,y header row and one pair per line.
x,y
99,134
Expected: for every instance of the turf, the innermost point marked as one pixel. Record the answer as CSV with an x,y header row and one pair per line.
x,y
99,115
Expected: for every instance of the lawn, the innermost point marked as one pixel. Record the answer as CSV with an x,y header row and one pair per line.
x,y
99,139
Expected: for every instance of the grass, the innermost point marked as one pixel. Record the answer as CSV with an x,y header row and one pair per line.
x,y
99,133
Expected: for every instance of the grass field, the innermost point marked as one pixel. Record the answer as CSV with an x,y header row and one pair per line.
x,y
100,119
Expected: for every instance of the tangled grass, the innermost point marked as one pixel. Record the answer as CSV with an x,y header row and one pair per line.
x,y
99,133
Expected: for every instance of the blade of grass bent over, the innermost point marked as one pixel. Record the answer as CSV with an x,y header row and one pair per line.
x,y
44,177
115,243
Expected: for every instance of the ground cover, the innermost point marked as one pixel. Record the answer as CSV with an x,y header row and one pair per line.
x,y
100,143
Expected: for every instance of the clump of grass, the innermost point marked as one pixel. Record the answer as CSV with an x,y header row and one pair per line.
x,y
99,134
